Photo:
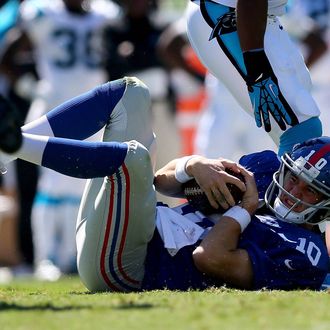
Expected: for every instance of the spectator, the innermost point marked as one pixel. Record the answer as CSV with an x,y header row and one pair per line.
x,y
130,45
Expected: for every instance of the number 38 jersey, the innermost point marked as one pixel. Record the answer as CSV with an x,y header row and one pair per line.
x,y
67,48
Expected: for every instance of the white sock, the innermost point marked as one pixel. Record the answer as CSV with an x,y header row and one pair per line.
x,y
39,126
32,148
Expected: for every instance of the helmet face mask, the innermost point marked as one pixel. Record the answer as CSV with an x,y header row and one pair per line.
x,y
310,162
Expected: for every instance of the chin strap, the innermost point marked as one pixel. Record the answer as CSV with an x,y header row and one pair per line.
x,y
288,216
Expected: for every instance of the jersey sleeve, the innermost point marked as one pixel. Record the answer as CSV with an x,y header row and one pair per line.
x,y
263,164
294,272
285,257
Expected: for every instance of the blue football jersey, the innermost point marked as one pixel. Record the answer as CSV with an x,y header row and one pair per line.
x,y
283,255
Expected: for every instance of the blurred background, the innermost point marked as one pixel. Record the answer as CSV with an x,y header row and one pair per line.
x,y
51,51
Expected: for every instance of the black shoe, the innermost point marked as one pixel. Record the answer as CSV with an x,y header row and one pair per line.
x,y
10,130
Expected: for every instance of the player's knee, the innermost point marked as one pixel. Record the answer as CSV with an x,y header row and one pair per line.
x,y
138,155
90,277
139,164
137,83
137,93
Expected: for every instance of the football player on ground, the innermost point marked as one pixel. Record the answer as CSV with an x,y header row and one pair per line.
x,y
128,242
244,45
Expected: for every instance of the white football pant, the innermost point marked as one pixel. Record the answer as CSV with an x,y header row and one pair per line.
x,y
286,61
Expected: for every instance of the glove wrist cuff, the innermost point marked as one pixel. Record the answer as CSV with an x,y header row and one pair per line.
x,y
256,63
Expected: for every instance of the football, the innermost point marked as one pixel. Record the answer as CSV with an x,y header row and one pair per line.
x,y
198,199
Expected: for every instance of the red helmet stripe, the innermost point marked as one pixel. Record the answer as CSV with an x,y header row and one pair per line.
x,y
319,154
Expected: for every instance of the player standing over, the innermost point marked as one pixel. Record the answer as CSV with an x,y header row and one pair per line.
x,y
244,44
65,37
127,243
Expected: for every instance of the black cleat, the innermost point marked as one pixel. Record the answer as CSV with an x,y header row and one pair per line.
x,y
10,130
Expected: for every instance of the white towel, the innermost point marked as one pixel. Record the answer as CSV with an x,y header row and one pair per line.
x,y
176,230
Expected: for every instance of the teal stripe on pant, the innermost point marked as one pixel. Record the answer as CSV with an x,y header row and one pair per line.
x,y
222,20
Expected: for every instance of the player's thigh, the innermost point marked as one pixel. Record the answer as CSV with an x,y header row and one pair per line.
x,y
290,70
131,119
115,223
229,70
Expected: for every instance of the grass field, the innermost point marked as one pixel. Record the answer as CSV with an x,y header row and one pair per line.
x,y
66,304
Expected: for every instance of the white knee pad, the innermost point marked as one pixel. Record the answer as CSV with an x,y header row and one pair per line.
x,y
131,119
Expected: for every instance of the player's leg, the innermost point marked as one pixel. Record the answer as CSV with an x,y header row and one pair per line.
x,y
115,223
109,256
129,119
82,116
221,53
226,65
77,118
295,83
81,159
212,33
118,212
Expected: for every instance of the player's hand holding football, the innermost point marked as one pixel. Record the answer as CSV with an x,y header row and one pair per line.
x,y
250,197
265,94
212,177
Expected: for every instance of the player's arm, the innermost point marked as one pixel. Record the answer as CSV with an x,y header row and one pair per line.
x,y
218,255
327,237
251,23
210,174
264,92
165,181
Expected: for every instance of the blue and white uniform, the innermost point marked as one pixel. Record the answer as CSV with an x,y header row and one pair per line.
x,y
283,255
134,257
211,27
125,241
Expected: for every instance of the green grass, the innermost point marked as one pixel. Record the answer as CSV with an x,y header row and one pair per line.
x,y
66,304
